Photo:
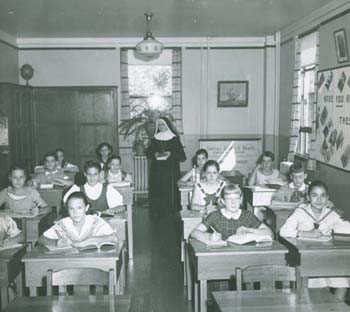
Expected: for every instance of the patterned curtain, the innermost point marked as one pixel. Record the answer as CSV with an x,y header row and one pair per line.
x,y
296,105
311,164
176,109
124,145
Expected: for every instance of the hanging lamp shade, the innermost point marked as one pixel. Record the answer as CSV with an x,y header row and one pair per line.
x,y
149,46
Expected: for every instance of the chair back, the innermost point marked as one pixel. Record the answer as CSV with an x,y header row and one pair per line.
x,y
81,279
267,276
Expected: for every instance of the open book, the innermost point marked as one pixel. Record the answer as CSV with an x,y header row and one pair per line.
x,y
99,246
241,239
315,239
59,248
211,243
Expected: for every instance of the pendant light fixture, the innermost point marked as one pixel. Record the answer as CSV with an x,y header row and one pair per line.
x,y
149,46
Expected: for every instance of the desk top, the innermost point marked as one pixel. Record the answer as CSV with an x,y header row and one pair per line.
x,y
70,303
260,189
40,253
304,246
320,300
191,214
201,249
42,213
7,254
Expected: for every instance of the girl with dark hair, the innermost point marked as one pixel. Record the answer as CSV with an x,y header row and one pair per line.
x,y
103,151
165,153
196,174
62,163
206,193
19,198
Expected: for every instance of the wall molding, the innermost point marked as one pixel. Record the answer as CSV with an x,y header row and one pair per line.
x,y
313,20
54,43
8,39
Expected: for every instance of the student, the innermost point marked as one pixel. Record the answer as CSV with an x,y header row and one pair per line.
x,y
9,232
115,174
206,193
19,198
79,229
62,163
196,174
294,193
230,219
51,174
103,151
264,172
102,198
314,220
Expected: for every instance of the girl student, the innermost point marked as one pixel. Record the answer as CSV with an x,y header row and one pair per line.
x,y
114,173
62,163
103,198
18,197
230,219
206,193
9,232
103,151
196,173
264,172
78,229
316,219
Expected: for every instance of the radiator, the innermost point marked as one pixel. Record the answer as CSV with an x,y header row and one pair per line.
x,y
141,174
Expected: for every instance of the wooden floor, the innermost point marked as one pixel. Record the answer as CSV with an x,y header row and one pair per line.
x,y
155,276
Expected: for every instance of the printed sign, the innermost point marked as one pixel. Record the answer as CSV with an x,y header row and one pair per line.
x,y
247,152
333,117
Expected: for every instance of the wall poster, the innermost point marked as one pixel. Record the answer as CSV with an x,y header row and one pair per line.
x,y
333,117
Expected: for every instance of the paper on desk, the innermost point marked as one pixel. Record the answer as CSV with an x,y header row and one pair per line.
x,y
10,247
241,239
315,239
46,186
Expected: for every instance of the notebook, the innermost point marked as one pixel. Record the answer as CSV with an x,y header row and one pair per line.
x,y
211,243
241,239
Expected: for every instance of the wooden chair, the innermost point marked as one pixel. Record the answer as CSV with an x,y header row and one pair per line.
x,y
81,279
266,276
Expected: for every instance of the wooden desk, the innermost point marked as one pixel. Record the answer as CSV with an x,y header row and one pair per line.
x,y
119,224
38,261
318,259
277,216
219,263
185,196
34,227
11,270
320,300
257,196
71,303
53,197
190,219
127,193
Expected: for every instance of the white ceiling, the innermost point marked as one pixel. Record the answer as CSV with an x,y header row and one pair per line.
x,y
173,18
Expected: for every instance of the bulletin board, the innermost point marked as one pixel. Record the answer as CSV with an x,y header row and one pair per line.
x,y
247,151
333,117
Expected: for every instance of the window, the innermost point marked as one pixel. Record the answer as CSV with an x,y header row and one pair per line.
x,y
150,83
306,90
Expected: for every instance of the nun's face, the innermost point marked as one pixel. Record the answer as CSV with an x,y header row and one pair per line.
x,y
162,127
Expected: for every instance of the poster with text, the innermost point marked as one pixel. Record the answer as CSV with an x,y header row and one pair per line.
x,y
247,152
333,117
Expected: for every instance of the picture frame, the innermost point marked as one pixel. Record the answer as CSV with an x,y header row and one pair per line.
x,y
234,93
341,46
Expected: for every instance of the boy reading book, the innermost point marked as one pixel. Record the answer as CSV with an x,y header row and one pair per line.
x,y
230,221
79,229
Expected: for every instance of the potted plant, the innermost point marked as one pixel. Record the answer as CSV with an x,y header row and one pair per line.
x,y
141,126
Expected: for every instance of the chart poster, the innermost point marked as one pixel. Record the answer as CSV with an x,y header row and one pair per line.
x,y
4,131
247,152
333,118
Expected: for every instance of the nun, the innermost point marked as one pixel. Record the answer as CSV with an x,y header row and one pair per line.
x,y
165,153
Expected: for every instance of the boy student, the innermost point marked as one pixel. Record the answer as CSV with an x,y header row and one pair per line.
x,y
294,193
51,174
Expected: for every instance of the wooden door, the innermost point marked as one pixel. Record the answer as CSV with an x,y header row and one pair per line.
x,y
96,120
54,121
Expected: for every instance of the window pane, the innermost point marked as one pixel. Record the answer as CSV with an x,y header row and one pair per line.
x,y
148,80
160,103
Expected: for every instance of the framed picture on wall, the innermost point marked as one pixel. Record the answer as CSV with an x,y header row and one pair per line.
x,y
233,93
341,45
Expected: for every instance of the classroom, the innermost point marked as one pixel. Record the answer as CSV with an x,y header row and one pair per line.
x,y
179,156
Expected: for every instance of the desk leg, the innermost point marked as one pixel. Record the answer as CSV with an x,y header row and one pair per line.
x,y
203,295
187,268
183,259
19,284
4,297
130,232
196,297
122,273
33,292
